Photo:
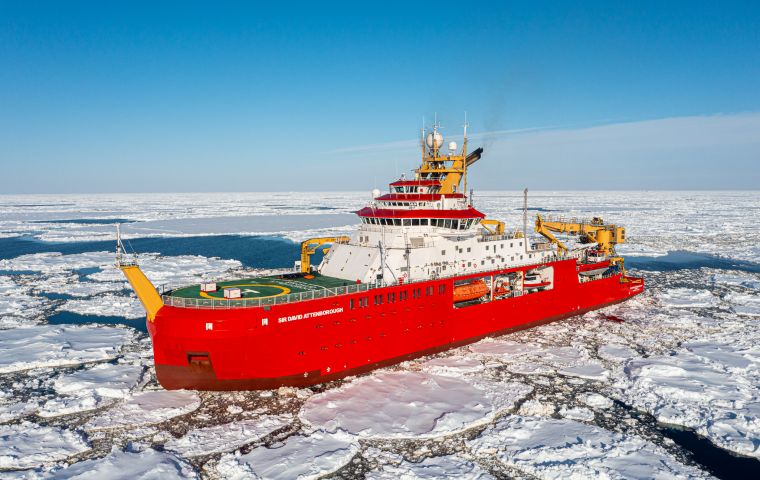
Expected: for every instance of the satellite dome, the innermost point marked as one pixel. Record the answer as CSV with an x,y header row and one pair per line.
x,y
375,193
434,136
452,146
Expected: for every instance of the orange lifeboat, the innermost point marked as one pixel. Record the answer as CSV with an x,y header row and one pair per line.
x,y
470,291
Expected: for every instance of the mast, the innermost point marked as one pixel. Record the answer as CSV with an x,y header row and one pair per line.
x,y
464,153
525,219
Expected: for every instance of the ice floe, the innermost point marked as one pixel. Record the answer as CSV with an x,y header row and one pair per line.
x,y
409,404
504,349
550,448
688,297
13,411
28,445
744,303
299,457
92,388
590,371
146,408
173,271
432,468
226,437
595,400
106,305
57,345
713,388
118,465
56,262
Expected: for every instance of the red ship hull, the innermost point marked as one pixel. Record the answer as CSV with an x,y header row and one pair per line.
x,y
316,341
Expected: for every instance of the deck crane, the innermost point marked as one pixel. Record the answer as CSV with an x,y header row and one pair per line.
x,y
310,246
605,235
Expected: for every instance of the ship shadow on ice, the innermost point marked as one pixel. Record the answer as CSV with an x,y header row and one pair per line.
x,y
682,260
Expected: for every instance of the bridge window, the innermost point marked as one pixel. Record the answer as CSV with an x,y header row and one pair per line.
x,y
424,222
415,222
407,222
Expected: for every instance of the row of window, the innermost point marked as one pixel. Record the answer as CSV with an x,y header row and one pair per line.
x,y
414,189
406,204
455,224
393,296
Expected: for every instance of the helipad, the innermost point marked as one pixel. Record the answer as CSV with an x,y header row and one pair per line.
x,y
264,287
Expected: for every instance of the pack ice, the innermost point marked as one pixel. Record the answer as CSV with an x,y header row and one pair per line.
x,y
58,345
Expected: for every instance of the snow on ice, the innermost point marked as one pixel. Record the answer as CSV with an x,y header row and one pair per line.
x,y
226,437
92,388
118,465
299,457
394,467
58,345
550,448
146,408
408,404
711,387
28,445
106,305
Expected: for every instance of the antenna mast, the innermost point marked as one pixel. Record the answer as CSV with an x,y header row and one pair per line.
x,y
464,153
525,218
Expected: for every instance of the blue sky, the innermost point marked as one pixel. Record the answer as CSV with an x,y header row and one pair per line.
x,y
241,96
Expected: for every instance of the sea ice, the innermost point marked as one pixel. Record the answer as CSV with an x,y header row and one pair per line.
x,y
504,349
433,468
550,448
108,380
590,371
226,437
577,413
710,387
594,400
21,309
28,445
57,345
453,365
299,457
145,465
55,262
687,297
91,388
745,304
172,271
12,411
106,305
70,284
146,408
616,353
743,280
409,404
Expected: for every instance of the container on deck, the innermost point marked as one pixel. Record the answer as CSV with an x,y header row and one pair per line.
x,y
208,287
232,293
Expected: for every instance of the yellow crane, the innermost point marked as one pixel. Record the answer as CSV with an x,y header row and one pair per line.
x,y
310,246
605,235
498,226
